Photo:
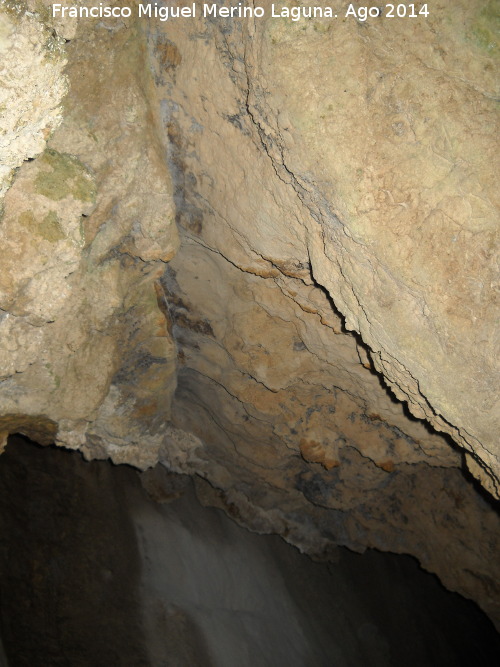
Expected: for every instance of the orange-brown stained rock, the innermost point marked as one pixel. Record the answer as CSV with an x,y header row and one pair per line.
x,y
315,452
388,466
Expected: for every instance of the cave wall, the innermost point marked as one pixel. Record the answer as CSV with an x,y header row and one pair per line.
x,y
87,227
263,252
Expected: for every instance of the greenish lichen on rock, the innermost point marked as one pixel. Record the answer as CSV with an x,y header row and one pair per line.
x,y
49,228
485,28
5,32
66,176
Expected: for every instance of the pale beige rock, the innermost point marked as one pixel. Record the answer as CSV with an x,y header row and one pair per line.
x,y
402,143
32,86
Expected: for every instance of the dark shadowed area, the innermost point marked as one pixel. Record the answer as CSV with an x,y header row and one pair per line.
x,y
99,567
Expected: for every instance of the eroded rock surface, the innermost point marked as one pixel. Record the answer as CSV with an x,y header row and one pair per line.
x,y
86,230
32,86
332,183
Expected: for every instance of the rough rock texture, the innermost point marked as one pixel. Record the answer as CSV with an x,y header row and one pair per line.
x,y
375,165
31,86
86,230
398,154
333,184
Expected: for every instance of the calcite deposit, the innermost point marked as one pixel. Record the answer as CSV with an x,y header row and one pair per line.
x,y
264,252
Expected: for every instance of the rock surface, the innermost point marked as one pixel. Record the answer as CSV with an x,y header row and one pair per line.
x,y
334,196
87,228
32,86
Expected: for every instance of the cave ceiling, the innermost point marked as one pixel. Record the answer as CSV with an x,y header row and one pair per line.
x,y
265,253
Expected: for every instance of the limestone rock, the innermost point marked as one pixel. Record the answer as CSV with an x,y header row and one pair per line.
x,y
397,150
87,227
32,85
277,235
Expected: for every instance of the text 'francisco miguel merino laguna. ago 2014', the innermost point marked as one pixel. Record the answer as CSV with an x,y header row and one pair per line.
x,y
239,11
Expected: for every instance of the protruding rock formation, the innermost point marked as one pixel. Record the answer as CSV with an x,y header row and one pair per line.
x,y
332,185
